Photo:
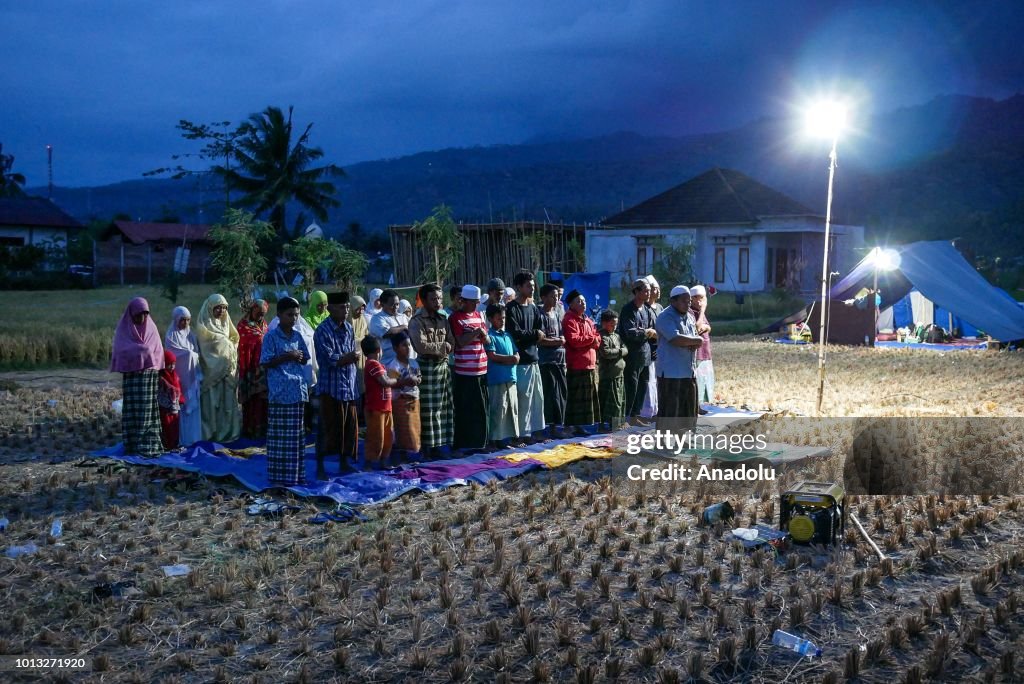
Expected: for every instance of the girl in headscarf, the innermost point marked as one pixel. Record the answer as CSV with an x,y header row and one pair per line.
x,y
170,400
218,357
361,328
183,343
139,357
317,311
252,380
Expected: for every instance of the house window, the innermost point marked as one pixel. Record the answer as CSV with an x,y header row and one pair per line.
x,y
641,261
719,264
769,265
12,242
646,254
744,264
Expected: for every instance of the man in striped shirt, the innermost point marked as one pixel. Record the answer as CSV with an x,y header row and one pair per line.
x,y
469,382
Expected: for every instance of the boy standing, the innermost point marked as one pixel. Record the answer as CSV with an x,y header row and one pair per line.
x,y
377,406
502,358
611,372
336,352
284,355
405,402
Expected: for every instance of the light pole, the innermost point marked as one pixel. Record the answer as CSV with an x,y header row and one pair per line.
x,y
826,119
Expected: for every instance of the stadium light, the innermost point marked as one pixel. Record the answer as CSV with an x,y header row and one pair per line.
x,y
825,119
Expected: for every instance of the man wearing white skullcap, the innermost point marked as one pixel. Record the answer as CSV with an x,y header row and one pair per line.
x,y
677,390
650,407
704,372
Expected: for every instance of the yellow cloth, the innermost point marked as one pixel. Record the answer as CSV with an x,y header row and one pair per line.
x,y
218,357
561,455
218,342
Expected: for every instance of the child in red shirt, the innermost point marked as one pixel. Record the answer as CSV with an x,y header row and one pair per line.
x,y
377,404
170,398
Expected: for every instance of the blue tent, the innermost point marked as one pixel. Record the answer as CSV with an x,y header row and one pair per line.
x,y
941,274
903,314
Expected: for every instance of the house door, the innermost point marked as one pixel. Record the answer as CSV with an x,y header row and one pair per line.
x,y
781,268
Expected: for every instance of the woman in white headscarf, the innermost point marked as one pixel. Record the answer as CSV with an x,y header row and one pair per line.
x,y
182,342
218,358
650,409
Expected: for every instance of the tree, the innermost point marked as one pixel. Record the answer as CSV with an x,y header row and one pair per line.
x,y
347,267
219,142
10,183
273,170
577,253
236,253
443,241
674,263
535,244
307,255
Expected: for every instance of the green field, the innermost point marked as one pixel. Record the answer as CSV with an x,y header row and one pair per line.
x,y
75,327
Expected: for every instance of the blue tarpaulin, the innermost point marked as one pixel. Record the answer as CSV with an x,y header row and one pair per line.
x,y
594,286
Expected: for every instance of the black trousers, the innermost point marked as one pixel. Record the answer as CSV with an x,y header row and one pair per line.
x,y
636,379
471,402
677,404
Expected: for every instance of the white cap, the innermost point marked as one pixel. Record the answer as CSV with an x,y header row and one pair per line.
x,y
678,290
698,291
509,292
470,292
652,282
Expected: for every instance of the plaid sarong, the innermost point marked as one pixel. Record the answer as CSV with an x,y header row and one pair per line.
x,y
140,413
437,426
582,407
612,392
286,464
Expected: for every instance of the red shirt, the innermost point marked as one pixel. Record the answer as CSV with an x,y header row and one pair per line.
x,y
378,396
581,341
470,359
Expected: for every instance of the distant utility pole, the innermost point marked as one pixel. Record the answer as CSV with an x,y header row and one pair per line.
x,y
49,165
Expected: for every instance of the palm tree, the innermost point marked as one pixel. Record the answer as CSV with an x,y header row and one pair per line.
x,y
273,170
10,182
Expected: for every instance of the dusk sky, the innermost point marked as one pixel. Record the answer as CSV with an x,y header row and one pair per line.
x,y
106,82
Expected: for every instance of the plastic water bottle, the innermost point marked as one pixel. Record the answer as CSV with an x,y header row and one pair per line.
x,y
795,643
57,528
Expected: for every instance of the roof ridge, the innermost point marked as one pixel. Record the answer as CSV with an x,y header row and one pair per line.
x,y
732,191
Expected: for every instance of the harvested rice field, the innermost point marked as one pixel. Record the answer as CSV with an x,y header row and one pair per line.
x,y
573,574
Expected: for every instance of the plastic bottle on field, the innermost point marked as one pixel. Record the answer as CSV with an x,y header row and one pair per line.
x,y
57,528
795,643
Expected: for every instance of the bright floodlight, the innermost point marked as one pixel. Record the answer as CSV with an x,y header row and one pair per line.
x,y
826,119
885,259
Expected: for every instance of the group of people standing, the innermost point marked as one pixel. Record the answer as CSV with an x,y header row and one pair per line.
x,y
506,369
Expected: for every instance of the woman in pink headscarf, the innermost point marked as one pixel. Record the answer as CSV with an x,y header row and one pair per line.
x,y
139,357
252,378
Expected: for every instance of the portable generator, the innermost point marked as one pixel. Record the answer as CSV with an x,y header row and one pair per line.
x,y
813,513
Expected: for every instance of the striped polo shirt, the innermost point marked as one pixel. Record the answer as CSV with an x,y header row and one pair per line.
x,y
472,358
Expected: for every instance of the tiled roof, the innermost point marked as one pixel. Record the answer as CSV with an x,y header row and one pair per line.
x,y
34,211
140,233
718,196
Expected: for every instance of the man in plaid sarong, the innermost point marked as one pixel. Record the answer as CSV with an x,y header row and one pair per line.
x,y
433,341
284,355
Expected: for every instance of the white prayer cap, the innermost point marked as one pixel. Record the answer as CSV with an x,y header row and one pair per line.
x,y
678,290
698,291
470,292
652,282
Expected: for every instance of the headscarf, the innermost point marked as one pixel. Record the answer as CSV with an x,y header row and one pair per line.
x,y
371,302
136,347
169,376
405,307
218,341
247,323
360,323
185,346
315,318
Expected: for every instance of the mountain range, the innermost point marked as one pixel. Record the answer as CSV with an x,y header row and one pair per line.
x,y
953,167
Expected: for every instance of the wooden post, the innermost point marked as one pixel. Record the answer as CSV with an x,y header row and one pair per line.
x,y
149,263
122,261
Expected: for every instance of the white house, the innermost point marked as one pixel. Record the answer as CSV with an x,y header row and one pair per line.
x,y
34,221
747,236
